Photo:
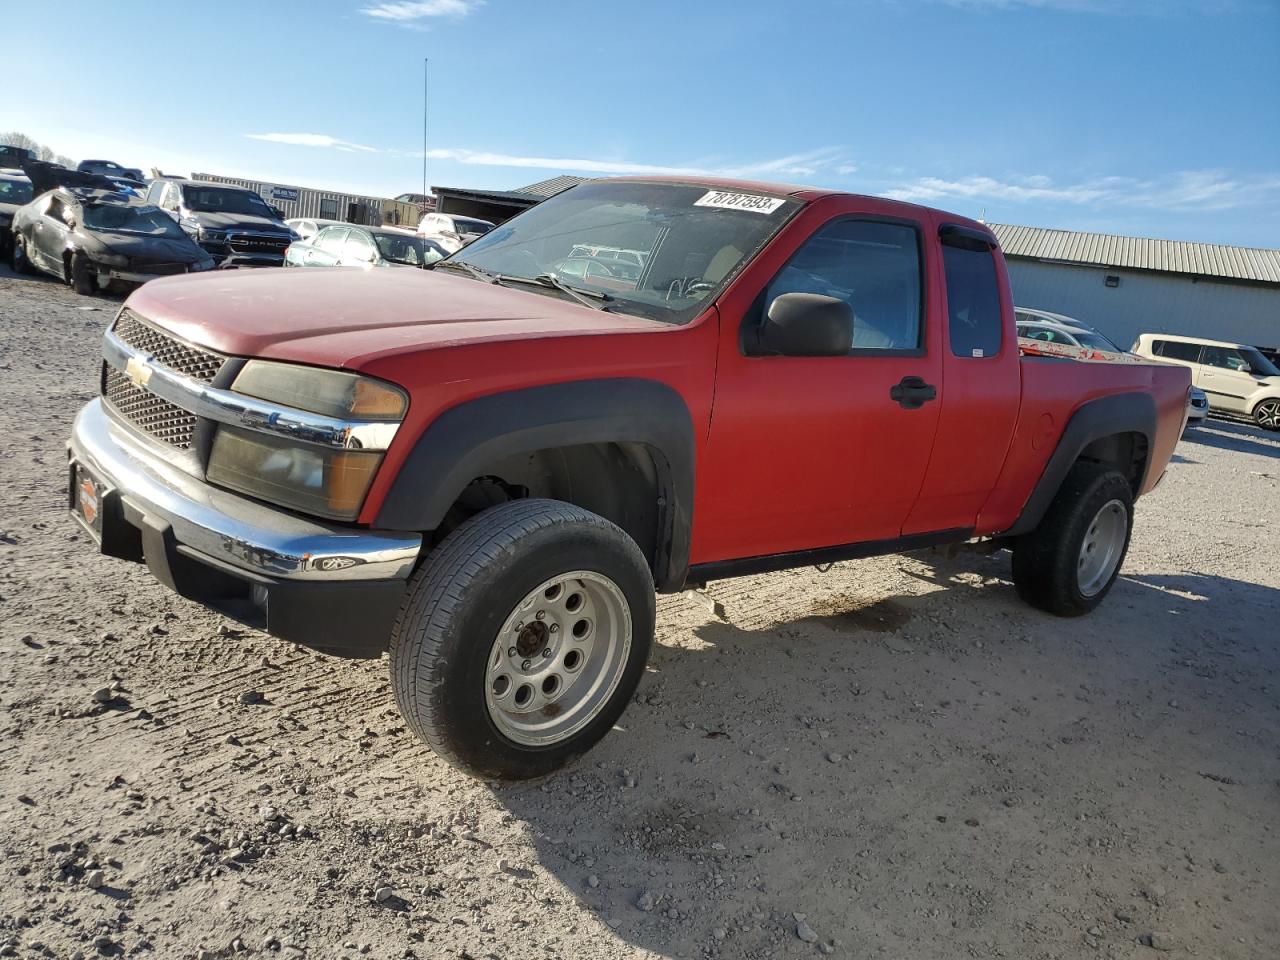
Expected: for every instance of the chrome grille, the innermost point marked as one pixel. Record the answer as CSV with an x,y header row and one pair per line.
x,y
167,350
149,413
257,242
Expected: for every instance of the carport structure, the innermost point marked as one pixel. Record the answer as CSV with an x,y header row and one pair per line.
x,y
499,205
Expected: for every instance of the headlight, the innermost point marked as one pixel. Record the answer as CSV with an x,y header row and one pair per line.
x,y
212,236
112,259
334,393
308,477
321,481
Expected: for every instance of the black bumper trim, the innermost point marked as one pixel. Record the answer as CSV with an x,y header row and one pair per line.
x,y
351,618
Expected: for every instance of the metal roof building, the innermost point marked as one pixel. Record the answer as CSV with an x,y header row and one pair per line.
x,y
295,201
499,205
1125,286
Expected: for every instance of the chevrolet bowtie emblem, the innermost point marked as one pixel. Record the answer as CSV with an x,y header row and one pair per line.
x,y
138,370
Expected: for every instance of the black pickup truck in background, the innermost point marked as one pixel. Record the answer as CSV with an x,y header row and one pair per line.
x,y
233,224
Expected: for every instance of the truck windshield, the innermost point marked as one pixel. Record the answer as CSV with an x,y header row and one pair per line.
x,y
226,200
658,250
471,227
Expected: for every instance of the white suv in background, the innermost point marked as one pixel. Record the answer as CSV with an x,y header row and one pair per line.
x,y
450,231
1236,376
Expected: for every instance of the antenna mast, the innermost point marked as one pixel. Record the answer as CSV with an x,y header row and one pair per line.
x,y
425,62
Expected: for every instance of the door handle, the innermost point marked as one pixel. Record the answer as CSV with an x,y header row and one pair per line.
x,y
911,393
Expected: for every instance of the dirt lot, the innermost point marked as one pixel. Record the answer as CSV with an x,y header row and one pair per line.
x,y
896,759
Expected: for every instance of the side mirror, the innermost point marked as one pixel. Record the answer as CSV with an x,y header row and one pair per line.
x,y
805,325
1246,368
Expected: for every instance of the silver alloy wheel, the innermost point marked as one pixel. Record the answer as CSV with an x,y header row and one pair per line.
x,y
1102,548
558,658
1268,414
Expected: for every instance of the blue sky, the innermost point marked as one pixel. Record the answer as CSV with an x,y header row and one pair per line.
x,y
1147,117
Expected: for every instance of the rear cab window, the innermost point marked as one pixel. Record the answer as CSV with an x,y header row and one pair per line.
x,y
974,322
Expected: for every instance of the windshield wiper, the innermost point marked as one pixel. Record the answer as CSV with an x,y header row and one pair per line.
x,y
595,299
475,272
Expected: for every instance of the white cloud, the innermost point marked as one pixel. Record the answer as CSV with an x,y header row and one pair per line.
x,y
792,165
1187,190
804,165
579,164
311,140
410,12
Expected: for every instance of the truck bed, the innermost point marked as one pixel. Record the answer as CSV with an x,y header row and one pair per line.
x,y
1054,386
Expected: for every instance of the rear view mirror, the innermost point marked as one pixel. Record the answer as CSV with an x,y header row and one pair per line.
x,y
805,325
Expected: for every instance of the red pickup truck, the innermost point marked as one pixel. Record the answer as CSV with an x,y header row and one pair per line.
x,y
486,469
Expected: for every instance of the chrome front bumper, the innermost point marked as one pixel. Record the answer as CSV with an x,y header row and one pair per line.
x,y
229,530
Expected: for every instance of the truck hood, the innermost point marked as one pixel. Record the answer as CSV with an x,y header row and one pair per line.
x,y
340,316
242,221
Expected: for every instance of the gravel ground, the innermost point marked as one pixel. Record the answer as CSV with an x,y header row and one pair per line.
x,y
896,759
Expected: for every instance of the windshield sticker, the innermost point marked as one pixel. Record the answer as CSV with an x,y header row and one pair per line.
x,y
739,201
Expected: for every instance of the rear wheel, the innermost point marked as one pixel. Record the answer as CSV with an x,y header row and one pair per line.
x,y
1071,560
522,638
81,275
1267,414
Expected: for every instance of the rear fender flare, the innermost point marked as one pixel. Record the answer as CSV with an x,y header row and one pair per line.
x,y
1095,420
456,447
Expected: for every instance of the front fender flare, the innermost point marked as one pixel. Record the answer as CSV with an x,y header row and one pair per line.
x,y
457,445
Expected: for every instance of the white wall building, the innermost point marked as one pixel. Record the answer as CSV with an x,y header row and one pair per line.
x,y
1125,286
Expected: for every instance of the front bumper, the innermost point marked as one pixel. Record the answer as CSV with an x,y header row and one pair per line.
x,y
326,586
130,276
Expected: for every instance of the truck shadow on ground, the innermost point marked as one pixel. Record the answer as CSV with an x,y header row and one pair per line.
x,y
898,772
1232,435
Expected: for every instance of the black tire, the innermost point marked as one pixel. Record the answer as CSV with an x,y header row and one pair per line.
x,y
460,598
21,262
1045,561
81,276
1267,414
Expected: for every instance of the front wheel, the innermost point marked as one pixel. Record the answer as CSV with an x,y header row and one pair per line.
x,y
1267,414
1071,560
82,280
522,638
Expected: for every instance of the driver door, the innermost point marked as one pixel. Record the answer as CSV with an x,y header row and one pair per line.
x,y
811,452
51,234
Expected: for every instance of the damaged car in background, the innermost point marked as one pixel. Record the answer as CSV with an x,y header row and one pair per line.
x,y
80,230
15,190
